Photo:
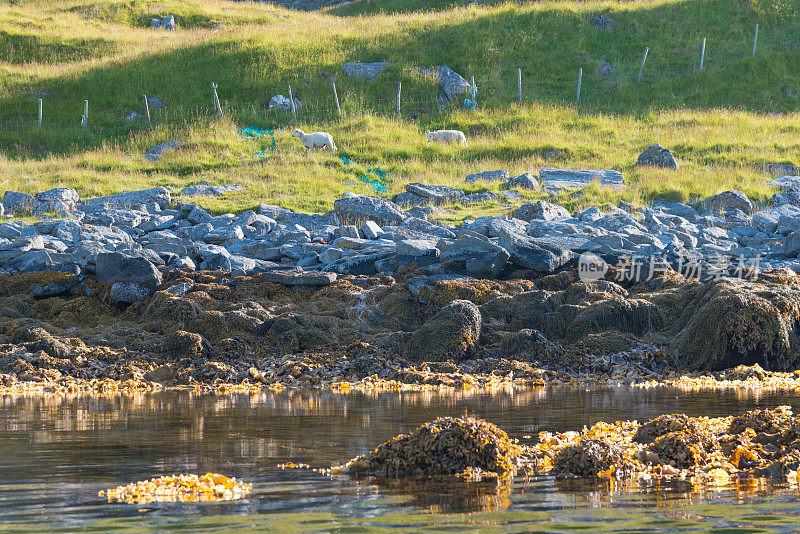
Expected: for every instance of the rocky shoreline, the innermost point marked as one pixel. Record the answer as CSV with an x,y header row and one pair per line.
x,y
137,290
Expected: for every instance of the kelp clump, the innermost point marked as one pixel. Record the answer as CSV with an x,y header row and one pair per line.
x,y
446,446
180,488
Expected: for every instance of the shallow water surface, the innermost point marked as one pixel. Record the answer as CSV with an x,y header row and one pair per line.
x,y
56,453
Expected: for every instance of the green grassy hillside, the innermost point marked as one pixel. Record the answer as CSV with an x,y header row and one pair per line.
x,y
719,122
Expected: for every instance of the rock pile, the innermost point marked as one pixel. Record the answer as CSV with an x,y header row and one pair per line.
x,y
129,239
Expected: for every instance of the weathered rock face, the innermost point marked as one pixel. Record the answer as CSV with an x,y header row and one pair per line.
x,y
475,255
657,156
438,194
488,176
527,252
157,195
357,209
727,201
132,279
541,210
525,181
453,332
451,85
368,72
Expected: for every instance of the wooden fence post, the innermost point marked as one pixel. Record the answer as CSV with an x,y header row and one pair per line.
x,y
216,99
519,85
147,112
703,54
641,68
336,98
291,100
399,87
755,41
40,115
474,93
580,82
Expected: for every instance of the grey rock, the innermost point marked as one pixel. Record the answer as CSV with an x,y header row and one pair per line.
x,y
451,85
282,103
210,190
359,264
155,23
527,252
512,196
330,255
782,169
475,198
360,208
159,195
348,230
199,215
488,176
603,22
371,230
15,202
427,227
785,182
541,210
725,201
168,23
439,194
409,200
365,71
155,153
116,267
417,247
675,208
767,220
128,292
525,181
155,103
657,156
577,179
480,257
299,278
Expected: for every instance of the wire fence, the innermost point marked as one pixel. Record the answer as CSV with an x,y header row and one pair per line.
x,y
581,89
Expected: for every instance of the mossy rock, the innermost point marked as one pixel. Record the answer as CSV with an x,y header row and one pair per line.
x,y
588,458
436,295
635,316
39,284
399,309
610,342
180,344
729,323
165,312
453,332
530,345
446,446
681,450
663,424
210,324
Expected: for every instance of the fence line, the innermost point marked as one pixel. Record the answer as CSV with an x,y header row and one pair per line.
x,y
652,67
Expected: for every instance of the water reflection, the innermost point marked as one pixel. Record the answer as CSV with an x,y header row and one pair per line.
x,y
56,452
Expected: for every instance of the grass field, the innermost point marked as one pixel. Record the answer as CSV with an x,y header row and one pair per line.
x,y
719,123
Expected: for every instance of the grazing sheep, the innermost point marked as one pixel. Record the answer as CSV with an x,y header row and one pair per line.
x,y
447,136
315,140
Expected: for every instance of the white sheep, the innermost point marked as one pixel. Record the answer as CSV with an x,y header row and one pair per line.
x,y
447,136
315,140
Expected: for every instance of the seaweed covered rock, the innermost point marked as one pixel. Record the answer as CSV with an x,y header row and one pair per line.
x,y
588,458
729,323
180,344
772,421
446,446
681,450
453,332
661,425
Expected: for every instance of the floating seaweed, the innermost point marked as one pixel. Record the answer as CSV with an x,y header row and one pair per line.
x,y
179,488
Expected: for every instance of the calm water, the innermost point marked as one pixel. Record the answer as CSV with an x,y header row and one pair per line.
x,y
57,453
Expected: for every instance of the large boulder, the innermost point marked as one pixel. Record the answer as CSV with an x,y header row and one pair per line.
x,y
451,85
727,201
488,176
155,153
541,210
446,446
527,252
452,333
159,195
365,71
474,254
524,181
134,276
657,156
579,178
15,202
437,193
359,208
